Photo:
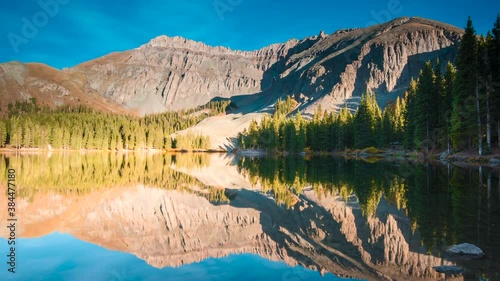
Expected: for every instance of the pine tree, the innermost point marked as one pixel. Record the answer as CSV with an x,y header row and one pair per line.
x,y
388,133
445,107
36,129
15,132
345,125
494,65
27,133
56,138
400,120
483,91
3,133
464,125
312,138
140,134
253,135
301,133
66,139
409,115
291,137
366,121
76,137
426,107
44,135
168,143
88,137
325,134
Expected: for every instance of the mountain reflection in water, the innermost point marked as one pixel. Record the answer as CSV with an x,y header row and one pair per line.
x,y
347,217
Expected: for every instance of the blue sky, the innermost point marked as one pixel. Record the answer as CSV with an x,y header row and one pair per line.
x,y
64,33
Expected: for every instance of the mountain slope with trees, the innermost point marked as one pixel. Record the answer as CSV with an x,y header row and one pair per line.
x,y
176,73
449,108
29,126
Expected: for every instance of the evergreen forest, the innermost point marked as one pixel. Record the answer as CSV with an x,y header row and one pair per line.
x,y
30,126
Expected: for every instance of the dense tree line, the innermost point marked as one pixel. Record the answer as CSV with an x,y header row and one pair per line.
x,y
452,107
368,126
29,126
459,108
428,105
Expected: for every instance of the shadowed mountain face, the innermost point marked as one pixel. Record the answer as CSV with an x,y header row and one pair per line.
x,y
364,224
174,73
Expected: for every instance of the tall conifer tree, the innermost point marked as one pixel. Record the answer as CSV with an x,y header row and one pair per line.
x,y
464,125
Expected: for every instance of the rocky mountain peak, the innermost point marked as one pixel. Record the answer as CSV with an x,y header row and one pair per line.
x,y
178,42
322,34
416,22
332,70
164,41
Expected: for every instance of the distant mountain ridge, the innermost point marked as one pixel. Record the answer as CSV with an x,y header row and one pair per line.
x,y
173,72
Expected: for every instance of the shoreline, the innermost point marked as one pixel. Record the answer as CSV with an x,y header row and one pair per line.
x,y
460,158
146,150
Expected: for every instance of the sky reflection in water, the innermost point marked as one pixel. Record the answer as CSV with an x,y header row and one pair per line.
x,y
63,257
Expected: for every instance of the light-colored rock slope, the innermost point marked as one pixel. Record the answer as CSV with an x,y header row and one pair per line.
x,y
223,130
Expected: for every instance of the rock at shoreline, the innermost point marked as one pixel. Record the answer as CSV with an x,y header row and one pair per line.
x,y
466,249
251,152
449,270
444,156
495,161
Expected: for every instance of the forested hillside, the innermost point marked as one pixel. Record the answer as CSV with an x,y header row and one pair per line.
x,y
450,107
29,126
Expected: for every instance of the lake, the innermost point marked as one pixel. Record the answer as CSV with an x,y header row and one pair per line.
x,y
147,216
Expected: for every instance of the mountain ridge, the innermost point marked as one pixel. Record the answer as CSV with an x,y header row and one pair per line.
x,y
339,31
170,73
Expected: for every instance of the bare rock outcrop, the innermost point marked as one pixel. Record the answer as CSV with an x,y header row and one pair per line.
x,y
380,59
179,73
330,69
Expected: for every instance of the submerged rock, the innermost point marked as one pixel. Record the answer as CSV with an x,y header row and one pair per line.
x,y
466,249
449,269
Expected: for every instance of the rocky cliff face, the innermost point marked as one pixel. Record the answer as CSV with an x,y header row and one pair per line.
x,y
173,73
380,59
179,73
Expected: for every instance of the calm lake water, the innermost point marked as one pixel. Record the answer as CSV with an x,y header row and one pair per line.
x,y
110,216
